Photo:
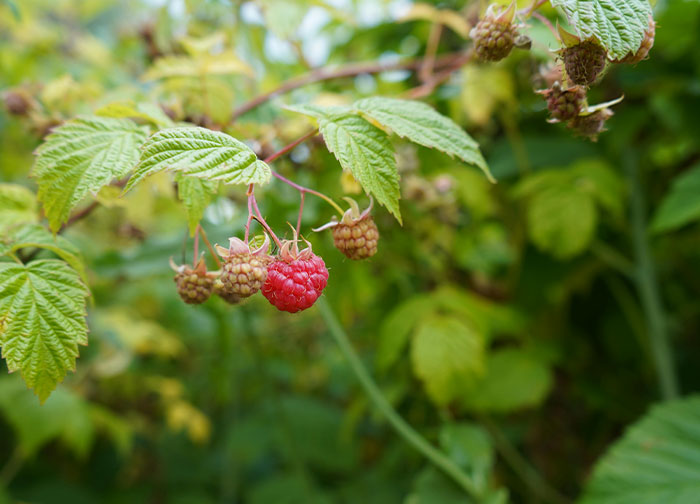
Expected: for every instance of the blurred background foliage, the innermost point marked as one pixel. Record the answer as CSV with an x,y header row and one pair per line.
x,y
502,321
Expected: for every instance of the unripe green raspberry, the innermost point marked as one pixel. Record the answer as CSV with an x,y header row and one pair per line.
x,y
357,240
584,62
243,275
194,285
494,36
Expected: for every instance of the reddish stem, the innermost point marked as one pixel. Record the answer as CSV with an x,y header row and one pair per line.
x,y
287,148
547,23
301,211
196,248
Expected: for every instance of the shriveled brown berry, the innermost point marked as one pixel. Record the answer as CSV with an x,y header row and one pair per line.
x,y
584,62
592,125
564,104
17,102
357,240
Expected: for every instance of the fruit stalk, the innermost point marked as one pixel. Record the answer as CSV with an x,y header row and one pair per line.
x,y
408,433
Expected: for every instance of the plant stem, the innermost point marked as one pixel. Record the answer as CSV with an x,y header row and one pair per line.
x,y
287,148
200,229
647,285
408,433
521,466
350,70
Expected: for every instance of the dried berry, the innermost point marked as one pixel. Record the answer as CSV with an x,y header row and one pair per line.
x,y
584,62
564,104
591,125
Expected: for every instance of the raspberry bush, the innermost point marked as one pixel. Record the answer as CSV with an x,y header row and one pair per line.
x,y
407,192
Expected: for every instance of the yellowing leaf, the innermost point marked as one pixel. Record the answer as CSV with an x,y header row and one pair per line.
x,y
447,17
485,88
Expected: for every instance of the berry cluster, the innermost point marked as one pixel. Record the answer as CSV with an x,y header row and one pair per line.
x,y
581,63
291,281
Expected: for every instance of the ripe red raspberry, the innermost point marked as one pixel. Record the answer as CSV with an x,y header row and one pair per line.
x,y
357,240
494,36
591,125
643,51
244,271
295,280
194,285
564,104
584,62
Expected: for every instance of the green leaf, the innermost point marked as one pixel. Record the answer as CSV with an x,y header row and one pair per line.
x,y
42,321
200,152
423,125
681,205
561,221
196,194
284,17
362,149
64,416
447,354
397,327
657,460
144,111
618,25
224,63
80,157
17,206
37,236
469,445
514,379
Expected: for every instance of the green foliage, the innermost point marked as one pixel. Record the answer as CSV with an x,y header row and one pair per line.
x,y
184,66
196,194
362,149
199,152
37,236
514,379
681,205
657,460
80,157
619,26
42,315
17,206
447,354
562,212
421,124
142,110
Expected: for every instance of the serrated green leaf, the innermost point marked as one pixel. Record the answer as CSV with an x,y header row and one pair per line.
x,y
447,354
200,152
618,25
514,379
681,205
423,125
42,321
195,194
80,157
362,149
657,460
17,206
469,445
37,236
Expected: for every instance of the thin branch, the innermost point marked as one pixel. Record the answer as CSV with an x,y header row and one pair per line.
x,y
208,244
291,146
350,70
